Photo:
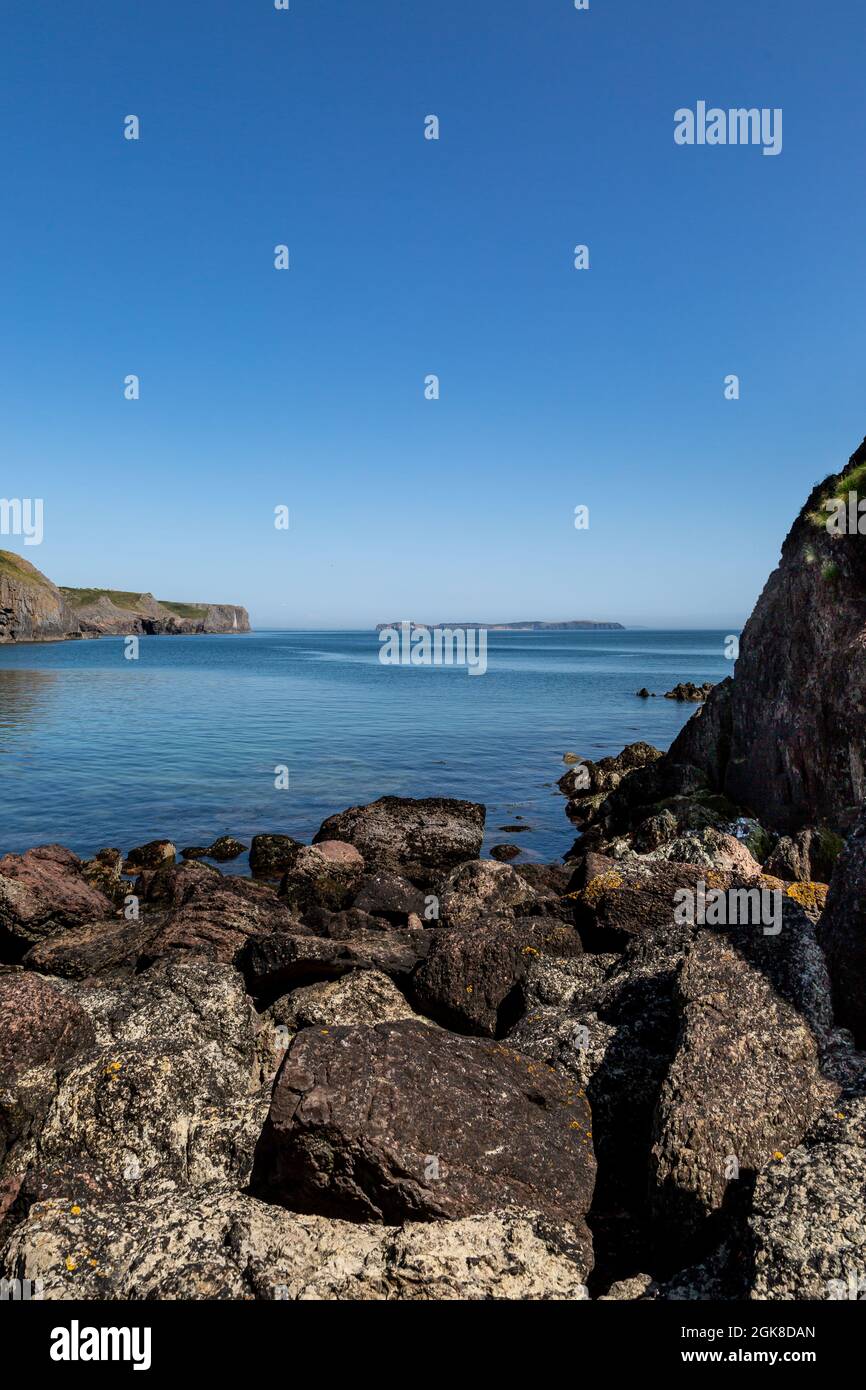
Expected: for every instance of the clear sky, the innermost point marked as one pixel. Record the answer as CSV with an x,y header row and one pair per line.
x,y
305,387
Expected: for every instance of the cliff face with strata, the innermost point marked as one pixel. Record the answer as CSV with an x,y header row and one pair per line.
x,y
33,609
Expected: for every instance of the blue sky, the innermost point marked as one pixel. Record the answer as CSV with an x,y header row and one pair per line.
x,y
408,257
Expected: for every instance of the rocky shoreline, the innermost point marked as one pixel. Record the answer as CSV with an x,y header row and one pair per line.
x,y
210,1083
641,1071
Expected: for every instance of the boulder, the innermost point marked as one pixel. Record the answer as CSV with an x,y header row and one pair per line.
x,y
480,887
150,856
325,874
38,1025
92,949
620,900
807,1225
223,1244
471,978
362,996
384,894
414,837
745,1080
42,892
225,848
272,855
218,918
502,853
347,1137
280,961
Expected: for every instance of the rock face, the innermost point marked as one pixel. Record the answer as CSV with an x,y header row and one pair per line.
x,y
842,933
33,609
413,837
785,737
110,612
347,1137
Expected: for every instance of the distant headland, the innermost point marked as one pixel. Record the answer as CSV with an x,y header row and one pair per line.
x,y
581,624
33,609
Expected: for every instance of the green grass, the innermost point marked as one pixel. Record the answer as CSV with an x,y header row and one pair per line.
x,y
11,565
184,610
121,598
839,486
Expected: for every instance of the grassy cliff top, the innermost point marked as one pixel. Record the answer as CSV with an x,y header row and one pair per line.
x,y
121,598
17,568
184,610
130,601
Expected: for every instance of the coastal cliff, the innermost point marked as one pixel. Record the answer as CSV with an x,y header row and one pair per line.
x,y
34,609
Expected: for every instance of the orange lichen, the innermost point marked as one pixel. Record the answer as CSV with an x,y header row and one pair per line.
x,y
598,886
811,896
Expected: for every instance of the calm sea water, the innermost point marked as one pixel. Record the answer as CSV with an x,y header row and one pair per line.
x,y
182,744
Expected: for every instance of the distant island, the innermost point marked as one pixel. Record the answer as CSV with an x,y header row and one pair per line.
x,y
582,624
33,609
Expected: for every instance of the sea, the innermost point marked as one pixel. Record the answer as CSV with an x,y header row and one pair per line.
x,y
273,731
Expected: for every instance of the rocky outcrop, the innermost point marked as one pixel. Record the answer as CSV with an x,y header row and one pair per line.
x,y
34,609
785,737
110,612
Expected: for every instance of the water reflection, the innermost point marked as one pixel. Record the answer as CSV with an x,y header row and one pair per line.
x,y
23,699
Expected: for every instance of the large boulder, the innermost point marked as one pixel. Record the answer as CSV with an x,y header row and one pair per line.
x,y
42,892
92,949
842,933
223,1244
347,1136
415,837
745,1080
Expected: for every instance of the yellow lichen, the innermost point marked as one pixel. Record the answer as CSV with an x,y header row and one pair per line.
x,y
598,886
76,1211
811,896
